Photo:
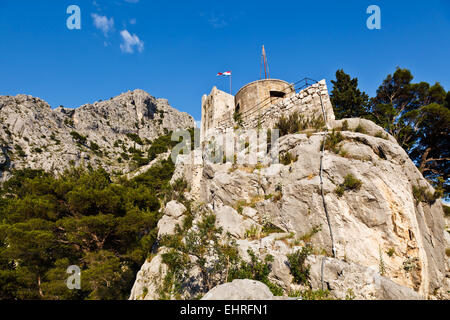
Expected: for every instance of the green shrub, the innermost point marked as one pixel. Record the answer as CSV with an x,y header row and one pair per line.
x,y
344,126
94,146
310,294
390,252
140,161
78,137
297,265
446,210
350,183
20,151
360,129
296,122
332,141
253,233
269,228
339,191
256,270
134,137
216,257
135,151
288,158
307,236
422,194
161,145
69,122
381,134
410,264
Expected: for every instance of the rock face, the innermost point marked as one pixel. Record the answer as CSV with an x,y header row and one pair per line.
x,y
173,213
240,289
35,136
344,279
388,245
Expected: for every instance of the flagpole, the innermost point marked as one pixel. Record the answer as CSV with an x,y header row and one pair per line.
x,y
231,76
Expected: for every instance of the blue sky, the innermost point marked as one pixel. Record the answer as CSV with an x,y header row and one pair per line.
x,y
174,49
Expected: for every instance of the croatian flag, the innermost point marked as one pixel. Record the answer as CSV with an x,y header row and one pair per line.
x,y
227,73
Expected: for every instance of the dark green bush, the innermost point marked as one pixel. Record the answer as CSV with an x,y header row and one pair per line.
x,y
287,158
134,137
422,194
332,142
360,129
78,137
256,270
446,210
94,146
344,126
296,122
297,265
350,183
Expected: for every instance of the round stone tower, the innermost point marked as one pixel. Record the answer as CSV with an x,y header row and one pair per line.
x,y
260,94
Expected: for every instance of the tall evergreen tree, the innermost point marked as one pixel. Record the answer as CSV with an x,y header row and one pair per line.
x,y
417,115
80,218
348,101
432,149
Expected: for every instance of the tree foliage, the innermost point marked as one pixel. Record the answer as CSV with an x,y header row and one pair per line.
x,y
80,218
348,101
417,115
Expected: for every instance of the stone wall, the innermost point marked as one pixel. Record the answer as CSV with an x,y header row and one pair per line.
x,y
307,102
217,105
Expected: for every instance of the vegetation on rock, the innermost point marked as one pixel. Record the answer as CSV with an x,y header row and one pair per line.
x,y
81,218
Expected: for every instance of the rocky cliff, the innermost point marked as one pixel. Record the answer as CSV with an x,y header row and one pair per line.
x,y
359,205
388,242
32,135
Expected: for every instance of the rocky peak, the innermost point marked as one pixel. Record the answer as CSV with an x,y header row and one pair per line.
x,y
101,134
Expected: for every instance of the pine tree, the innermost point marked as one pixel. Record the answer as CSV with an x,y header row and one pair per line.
x,y
348,101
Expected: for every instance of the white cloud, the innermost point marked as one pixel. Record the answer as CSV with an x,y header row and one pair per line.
x,y
218,21
129,42
133,21
103,23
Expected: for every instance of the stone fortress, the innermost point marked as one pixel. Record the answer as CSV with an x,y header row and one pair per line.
x,y
260,104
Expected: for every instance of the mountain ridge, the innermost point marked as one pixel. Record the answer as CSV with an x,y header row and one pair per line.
x,y
33,135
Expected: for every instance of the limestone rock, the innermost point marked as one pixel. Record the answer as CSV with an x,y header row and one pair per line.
x,y
232,222
380,223
38,137
174,209
173,214
145,287
240,289
350,280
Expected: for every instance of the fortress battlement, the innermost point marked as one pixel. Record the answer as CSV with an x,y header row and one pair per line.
x,y
260,104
